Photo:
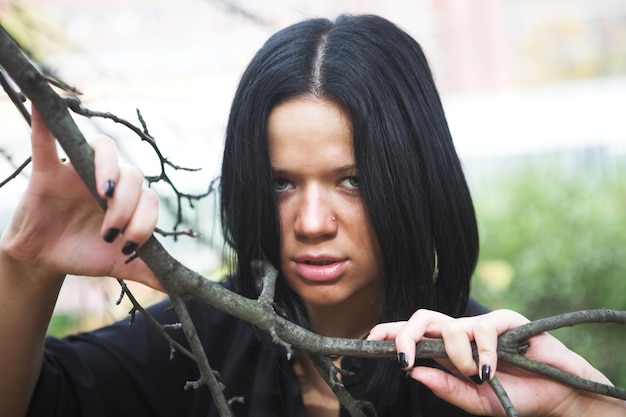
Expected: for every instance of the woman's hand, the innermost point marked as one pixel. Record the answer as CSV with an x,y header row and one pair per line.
x,y
531,394
58,228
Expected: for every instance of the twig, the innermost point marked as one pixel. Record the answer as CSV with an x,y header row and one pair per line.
x,y
189,233
512,344
76,106
266,301
500,392
327,369
207,376
174,345
562,376
18,171
18,101
522,333
16,98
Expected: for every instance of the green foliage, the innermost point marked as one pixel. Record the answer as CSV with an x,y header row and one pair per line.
x,y
62,324
553,240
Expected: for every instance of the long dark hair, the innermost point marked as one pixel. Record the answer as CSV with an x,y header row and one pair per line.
x,y
412,181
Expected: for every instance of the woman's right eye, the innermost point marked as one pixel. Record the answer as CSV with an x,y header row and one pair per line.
x,y
281,185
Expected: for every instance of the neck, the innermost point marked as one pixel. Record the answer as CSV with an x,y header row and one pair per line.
x,y
343,320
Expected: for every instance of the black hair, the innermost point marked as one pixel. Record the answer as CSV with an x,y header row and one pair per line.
x,y
412,183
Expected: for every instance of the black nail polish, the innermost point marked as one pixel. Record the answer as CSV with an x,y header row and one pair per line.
x,y
111,234
476,379
109,188
403,360
485,373
129,248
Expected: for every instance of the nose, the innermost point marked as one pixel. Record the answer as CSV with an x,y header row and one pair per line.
x,y
314,214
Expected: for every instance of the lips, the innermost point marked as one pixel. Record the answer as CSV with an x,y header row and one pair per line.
x,y
320,269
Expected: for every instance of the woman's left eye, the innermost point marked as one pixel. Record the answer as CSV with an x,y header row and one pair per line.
x,y
353,183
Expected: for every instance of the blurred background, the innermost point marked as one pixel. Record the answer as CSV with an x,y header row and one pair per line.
x,y
534,91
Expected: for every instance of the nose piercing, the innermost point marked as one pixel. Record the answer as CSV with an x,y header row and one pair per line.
x,y
333,219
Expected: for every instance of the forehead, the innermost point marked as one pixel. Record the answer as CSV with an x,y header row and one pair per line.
x,y
309,130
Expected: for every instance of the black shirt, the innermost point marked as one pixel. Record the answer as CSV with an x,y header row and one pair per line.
x,y
123,370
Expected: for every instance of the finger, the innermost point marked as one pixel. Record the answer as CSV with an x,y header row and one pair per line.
x,y
106,165
385,331
143,222
422,323
486,330
43,144
472,398
486,339
121,207
457,337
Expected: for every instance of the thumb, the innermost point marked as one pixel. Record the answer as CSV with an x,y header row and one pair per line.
x,y
451,389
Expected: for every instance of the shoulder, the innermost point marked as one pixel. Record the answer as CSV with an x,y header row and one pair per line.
x,y
474,308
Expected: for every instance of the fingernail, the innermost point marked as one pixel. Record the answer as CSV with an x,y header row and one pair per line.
x,y
403,360
109,188
129,248
476,379
485,373
111,234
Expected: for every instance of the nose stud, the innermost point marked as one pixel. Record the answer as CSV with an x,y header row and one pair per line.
x,y
333,218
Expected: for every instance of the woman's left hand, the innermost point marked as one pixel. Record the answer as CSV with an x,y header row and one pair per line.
x,y
531,394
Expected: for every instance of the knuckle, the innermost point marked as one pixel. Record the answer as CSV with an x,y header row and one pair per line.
x,y
483,326
419,314
452,329
150,197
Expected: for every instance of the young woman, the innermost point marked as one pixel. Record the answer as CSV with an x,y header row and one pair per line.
x,y
339,169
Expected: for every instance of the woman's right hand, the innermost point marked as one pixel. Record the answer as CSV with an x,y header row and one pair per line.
x,y
58,227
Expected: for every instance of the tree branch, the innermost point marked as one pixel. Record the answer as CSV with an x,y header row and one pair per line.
x,y
207,375
327,369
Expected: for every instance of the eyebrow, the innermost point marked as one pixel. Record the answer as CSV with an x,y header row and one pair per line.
x,y
339,170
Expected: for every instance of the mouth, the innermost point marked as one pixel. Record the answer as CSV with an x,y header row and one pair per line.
x,y
328,262
320,270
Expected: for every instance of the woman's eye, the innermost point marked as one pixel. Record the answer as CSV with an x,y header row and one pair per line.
x,y
281,185
353,183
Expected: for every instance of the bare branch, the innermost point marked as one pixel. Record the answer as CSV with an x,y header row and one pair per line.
x,y
18,101
500,392
207,376
18,170
174,345
16,98
327,369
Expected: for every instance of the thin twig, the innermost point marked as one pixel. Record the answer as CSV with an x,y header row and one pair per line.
x,y
207,376
76,106
562,376
500,392
18,101
328,371
160,328
16,98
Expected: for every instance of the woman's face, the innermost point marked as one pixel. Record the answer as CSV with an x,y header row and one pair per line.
x,y
329,253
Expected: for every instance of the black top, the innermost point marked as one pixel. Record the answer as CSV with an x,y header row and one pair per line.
x,y
123,370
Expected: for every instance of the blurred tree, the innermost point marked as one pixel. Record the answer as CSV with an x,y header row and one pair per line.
x,y
553,238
